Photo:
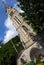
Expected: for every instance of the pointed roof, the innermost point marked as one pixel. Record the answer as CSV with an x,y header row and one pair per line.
x,y
7,7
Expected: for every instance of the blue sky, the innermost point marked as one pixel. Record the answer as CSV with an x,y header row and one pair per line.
x,y
4,28
7,30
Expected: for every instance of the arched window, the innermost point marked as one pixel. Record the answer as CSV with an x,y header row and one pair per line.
x,y
11,13
17,20
25,28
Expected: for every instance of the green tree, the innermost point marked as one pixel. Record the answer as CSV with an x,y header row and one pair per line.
x,y
8,54
1,43
30,63
33,63
34,13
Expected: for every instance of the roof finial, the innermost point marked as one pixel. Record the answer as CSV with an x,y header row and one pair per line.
x,y
5,5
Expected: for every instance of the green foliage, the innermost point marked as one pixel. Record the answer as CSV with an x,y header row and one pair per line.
x,y
34,13
33,63
17,43
5,54
8,54
1,43
30,63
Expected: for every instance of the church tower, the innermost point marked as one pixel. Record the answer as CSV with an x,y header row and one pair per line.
x,y
25,31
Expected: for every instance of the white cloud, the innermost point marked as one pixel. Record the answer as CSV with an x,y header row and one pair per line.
x,y
11,32
17,8
3,0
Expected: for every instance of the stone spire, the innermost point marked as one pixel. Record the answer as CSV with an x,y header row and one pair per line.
x,y
22,27
5,5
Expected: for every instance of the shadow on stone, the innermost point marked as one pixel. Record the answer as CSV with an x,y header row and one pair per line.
x,y
35,53
39,38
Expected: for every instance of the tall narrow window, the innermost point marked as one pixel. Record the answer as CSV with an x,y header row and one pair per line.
x,y
11,13
17,20
25,28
